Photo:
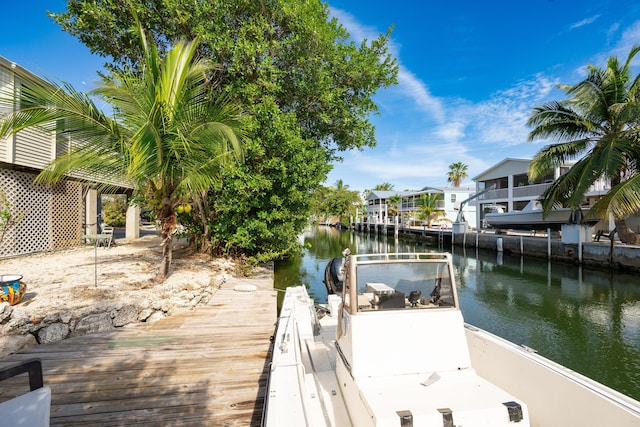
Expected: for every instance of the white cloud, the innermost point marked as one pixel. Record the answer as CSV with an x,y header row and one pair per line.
x,y
586,21
408,84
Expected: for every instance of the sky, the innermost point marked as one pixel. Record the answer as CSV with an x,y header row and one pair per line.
x,y
470,72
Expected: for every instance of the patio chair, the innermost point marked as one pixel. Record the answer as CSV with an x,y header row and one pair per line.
x,y
30,409
108,241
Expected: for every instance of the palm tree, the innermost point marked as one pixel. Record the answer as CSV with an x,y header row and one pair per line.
x,y
598,125
393,205
428,209
168,137
340,185
385,186
457,172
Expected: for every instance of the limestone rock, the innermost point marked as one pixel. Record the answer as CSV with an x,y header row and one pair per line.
x,y
157,315
53,333
5,312
93,323
14,343
144,314
125,315
66,316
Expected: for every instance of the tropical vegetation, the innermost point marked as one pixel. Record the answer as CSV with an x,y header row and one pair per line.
x,y
336,201
457,172
597,125
306,87
429,210
169,137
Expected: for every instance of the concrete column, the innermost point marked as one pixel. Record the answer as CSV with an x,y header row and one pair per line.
x,y
132,231
91,203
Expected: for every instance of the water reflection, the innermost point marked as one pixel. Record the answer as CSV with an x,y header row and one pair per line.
x,y
585,319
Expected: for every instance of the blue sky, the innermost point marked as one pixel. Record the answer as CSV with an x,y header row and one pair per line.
x,y
470,72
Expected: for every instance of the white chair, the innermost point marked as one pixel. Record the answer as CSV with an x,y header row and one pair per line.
x,y
108,241
30,409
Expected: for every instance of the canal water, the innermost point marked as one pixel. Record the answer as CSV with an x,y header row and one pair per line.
x,y
585,319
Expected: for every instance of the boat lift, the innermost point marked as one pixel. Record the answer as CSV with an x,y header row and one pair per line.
x,y
460,225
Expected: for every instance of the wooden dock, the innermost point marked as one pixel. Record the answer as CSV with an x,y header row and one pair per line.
x,y
204,367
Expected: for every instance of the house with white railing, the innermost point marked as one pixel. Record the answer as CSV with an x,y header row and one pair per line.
x,y
450,199
509,187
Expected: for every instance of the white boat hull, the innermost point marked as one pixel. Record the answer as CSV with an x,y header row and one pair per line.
x,y
533,219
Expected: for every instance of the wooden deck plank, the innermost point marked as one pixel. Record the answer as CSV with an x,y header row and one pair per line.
x,y
205,366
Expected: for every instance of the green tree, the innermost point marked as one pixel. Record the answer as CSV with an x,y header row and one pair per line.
x,y
597,124
336,201
307,87
457,172
428,208
385,186
393,205
168,137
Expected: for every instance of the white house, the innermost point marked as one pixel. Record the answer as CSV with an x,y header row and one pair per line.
x,y
450,202
509,187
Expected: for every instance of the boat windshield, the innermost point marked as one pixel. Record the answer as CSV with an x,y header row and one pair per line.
x,y
404,285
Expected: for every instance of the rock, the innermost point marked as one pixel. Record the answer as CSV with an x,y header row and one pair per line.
x,y
13,343
93,323
157,315
125,315
65,317
53,333
144,314
5,312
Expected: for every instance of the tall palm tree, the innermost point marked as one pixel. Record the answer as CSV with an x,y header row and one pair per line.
x,y
385,186
428,209
597,124
457,172
168,136
340,185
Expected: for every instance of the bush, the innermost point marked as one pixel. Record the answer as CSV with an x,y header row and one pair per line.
x,y
114,211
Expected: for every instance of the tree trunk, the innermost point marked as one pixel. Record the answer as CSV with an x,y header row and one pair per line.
x,y
168,223
202,214
626,234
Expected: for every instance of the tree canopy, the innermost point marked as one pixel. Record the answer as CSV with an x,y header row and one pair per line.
x,y
305,84
457,172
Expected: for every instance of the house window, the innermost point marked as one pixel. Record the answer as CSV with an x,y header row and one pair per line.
x,y
453,198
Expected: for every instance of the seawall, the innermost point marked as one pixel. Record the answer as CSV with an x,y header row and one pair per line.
x,y
596,253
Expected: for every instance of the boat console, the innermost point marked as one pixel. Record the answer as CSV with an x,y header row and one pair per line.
x,y
402,352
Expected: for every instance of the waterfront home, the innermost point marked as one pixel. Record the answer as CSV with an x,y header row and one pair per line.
x,y
56,216
509,188
450,201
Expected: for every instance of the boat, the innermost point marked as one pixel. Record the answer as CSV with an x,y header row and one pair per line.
x,y
393,350
334,275
531,218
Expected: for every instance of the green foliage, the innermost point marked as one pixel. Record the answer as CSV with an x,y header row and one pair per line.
x,y
308,88
169,136
336,201
385,186
457,172
8,218
115,211
260,207
599,125
428,209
